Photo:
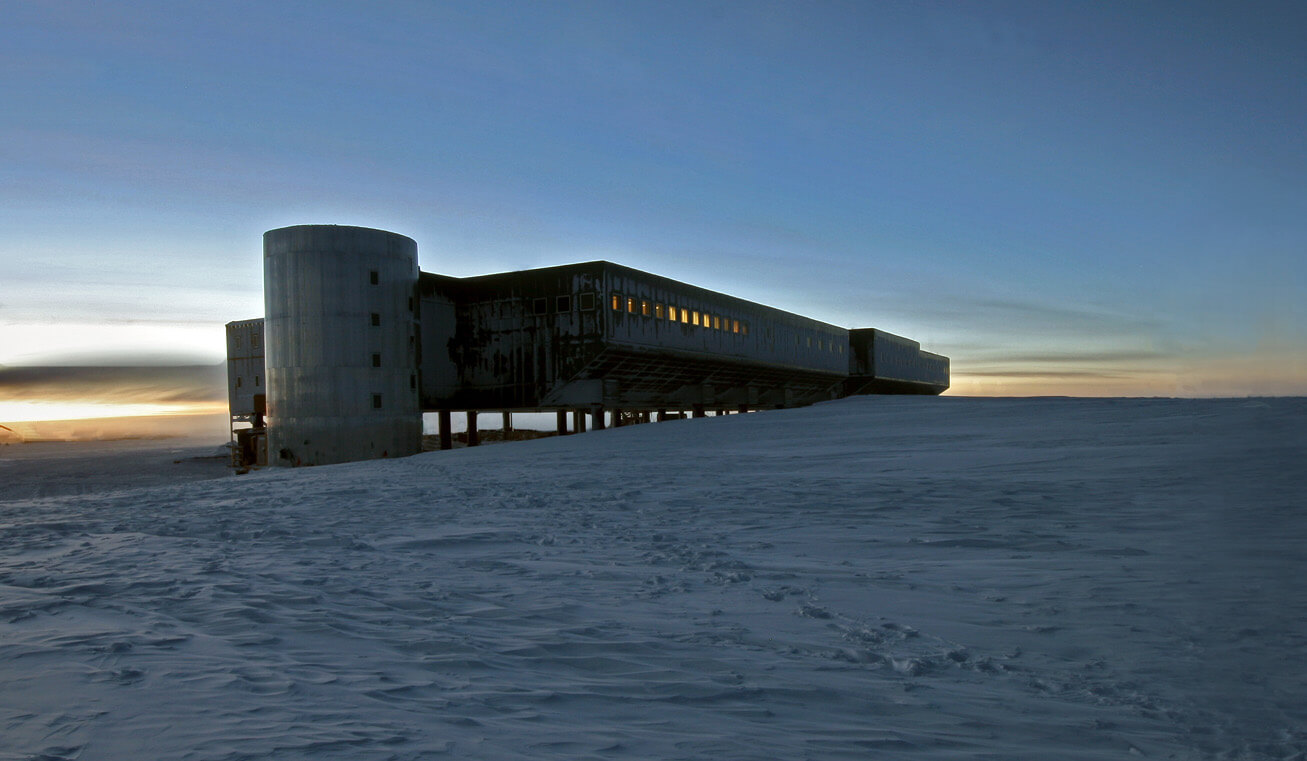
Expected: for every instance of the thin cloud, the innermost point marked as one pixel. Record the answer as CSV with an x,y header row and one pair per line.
x,y
1044,374
123,384
1122,356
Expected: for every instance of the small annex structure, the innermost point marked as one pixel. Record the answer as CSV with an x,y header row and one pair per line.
x,y
357,343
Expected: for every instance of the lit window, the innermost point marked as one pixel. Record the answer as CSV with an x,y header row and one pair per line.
x,y
694,317
685,315
617,302
630,304
671,313
744,328
376,319
735,326
716,322
658,311
644,308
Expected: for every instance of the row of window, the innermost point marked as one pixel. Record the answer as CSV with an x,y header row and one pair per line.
x,y
254,338
660,311
584,301
831,345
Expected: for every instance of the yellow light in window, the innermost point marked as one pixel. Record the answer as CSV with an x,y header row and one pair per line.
x,y
617,302
671,313
644,307
744,328
735,326
716,322
630,304
658,311
685,315
695,317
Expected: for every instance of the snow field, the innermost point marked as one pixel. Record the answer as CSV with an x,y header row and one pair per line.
x,y
878,577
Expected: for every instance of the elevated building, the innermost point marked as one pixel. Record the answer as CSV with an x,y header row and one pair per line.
x,y
359,344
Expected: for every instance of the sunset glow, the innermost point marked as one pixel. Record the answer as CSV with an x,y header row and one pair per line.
x,y
28,412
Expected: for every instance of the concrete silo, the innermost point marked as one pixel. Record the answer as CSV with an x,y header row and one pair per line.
x,y
341,344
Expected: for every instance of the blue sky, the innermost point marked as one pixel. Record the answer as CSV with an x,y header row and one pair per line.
x,y
1084,198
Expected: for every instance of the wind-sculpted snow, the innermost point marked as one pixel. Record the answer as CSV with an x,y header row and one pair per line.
x,y
927,578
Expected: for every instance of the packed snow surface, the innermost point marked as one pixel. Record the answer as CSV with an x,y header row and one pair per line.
x,y
927,578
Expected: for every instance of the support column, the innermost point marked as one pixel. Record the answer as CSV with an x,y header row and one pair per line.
x,y
744,408
561,415
446,433
662,415
473,435
617,418
699,411
578,421
597,412
508,422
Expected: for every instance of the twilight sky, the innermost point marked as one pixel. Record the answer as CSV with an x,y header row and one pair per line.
x,y
1104,198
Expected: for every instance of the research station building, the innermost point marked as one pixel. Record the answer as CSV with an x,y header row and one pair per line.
x,y
357,343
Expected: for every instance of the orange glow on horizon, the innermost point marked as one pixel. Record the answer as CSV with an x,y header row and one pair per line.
x,y
40,411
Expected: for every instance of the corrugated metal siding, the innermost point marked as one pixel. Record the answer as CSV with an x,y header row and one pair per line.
x,y
246,377
774,337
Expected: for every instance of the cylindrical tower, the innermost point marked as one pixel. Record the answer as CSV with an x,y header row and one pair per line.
x,y
341,344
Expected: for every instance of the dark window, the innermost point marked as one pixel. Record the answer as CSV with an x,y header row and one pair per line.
x,y
238,381
374,277
256,380
376,360
412,381
376,401
410,303
540,305
586,302
563,303
376,319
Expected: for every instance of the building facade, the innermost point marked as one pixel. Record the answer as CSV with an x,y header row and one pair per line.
x,y
359,343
